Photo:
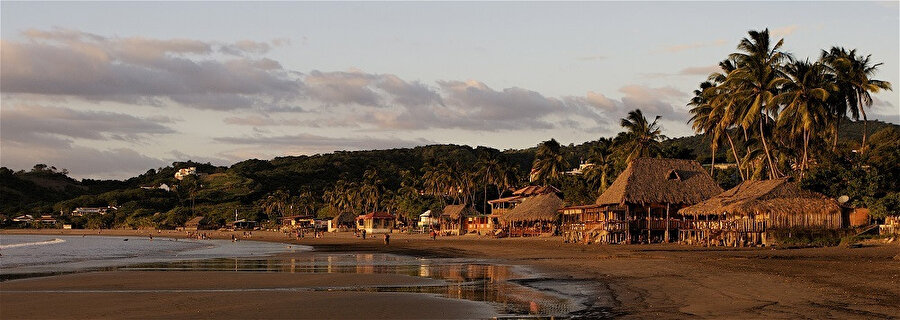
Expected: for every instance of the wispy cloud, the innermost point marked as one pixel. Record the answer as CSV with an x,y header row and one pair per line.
x,y
784,31
690,46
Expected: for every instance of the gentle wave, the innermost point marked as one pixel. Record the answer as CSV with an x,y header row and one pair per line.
x,y
28,244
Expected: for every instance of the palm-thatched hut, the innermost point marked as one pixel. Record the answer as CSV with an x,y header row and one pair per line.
x,y
535,216
746,213
642,203
502,206
344,221
453,218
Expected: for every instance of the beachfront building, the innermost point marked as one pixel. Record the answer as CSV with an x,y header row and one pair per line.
x,y
428,221
500,207
453,219
344,221
47,220
376,222
535,216
243,224
747,214
193,224
642,203
891,225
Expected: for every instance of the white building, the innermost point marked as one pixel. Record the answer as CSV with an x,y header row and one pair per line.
x,y
184,172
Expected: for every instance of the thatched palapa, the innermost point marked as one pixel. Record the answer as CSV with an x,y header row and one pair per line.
x,y
650,180
457,211
782,201
543,207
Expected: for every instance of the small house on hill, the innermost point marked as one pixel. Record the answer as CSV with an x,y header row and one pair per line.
x,y
193,224
534,216
745,214
453,218
642,203
376,222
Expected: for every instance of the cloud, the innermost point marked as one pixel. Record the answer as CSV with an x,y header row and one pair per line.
x,y
306,141
591,58
655,101
137,70
700,71
35,125
82,162
691,46
784,31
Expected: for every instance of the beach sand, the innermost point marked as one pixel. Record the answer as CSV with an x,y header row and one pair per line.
x,y
643,281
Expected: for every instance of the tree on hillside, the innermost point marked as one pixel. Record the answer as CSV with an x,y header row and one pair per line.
x,y
853,74
549,162
641,137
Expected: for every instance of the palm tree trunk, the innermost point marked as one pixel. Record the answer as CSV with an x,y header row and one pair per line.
x,y
736,159
712,165
862,110
762,136
805,145
836,130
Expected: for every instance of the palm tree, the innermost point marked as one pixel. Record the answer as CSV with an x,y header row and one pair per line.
x,y
705,118
549,162
641,136
755,82
853,74
601,164
489,171
804,100
276,203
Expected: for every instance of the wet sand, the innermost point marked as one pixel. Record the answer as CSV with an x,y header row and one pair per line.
x,y
669,281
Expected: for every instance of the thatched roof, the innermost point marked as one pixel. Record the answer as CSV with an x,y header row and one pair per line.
x,y
455,211
375,215
535,190
194,221
650,180
538,208
772,196
343,218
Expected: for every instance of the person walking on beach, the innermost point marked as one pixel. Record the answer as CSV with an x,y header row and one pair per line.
x,y
433,235
387,239
364,234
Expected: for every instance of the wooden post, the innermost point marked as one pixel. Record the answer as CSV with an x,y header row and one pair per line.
x,y
627,226
667,222
648,225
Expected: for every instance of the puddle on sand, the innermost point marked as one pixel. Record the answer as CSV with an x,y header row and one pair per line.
x,y
514,290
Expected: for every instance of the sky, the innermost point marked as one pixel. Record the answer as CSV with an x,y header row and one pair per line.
x,y
112,89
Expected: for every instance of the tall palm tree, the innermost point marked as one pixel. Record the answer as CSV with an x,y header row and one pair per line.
x,y
601,164
706,119
854,76
489,171
549,162
804,100
755,83
641,136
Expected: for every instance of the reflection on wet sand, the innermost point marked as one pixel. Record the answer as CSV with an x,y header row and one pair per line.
x,y
462,279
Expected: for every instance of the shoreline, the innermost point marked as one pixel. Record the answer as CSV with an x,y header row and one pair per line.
x,y
652,280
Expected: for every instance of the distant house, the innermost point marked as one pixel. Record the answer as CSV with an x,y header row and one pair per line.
x,y
297,222
746,214
27,218
184,172
81,211
376,222
344,221
426,221
162,186
581,169
534,216
501,206
453,219
47,220
243,224
891,225
193,224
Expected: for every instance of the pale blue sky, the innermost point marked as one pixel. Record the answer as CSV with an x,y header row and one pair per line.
x,y
376,75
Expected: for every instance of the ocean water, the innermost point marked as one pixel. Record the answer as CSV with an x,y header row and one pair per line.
x,y
46,254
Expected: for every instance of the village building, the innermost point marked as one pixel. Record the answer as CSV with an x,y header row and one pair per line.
x,y
295,222
193,224
184,172
501,206
454,219
535,216
891,226
162,186
243,224
747,214
376,222
344,221
26,218
642,203
428,222
81,211
47,220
